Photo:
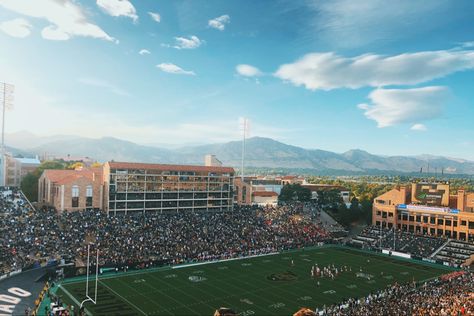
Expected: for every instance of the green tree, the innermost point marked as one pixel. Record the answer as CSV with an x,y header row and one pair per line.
x,y
294,192
29,184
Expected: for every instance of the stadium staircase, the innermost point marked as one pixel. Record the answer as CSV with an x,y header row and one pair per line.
x,y
439,249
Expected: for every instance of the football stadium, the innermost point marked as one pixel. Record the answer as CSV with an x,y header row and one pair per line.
x,y
236,158
273,284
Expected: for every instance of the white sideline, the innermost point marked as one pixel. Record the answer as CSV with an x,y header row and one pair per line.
x,y
223,260
73,298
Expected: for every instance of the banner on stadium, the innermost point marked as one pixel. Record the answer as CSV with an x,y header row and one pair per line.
x,y
396,253
410,207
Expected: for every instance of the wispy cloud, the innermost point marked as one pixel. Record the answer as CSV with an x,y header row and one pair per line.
x,y
419,127
220,22
66,17
103,84
395,106
348,23
174,69
248,70
118,8
19,27
155,16
190,42
328,71
144,52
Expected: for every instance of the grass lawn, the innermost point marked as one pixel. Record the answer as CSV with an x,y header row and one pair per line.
x,y
246,285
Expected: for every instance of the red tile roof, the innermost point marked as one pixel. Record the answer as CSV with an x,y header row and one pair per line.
x,y
264,193
68,176
165,167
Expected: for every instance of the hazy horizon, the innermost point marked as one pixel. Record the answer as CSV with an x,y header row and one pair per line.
x,y
388,78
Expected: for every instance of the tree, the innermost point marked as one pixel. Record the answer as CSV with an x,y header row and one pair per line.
x,y
96,165
75,165
294,192
354,205
29,184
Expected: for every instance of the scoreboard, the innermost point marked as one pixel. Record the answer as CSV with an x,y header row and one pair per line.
x,y
434,194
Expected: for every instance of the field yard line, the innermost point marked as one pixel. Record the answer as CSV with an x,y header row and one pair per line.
x,y
108,287
252,292
73,299
178,289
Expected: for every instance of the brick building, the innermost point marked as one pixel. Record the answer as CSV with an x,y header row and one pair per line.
x,y
427,208
72,190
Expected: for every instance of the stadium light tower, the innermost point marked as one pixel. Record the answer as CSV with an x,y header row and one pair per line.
x,y
244,122
6,97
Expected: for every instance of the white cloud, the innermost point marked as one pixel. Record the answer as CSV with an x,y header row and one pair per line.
x,y
118,8
66,17
155,16
328,71
16,28
418,127
219,22
144,52
191,42
174,69
103,84
395,106
248,70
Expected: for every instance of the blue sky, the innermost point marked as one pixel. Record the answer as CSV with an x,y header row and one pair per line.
x,y
392,78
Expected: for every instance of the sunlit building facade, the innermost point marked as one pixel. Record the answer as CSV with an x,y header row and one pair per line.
x,y
428,209
142,187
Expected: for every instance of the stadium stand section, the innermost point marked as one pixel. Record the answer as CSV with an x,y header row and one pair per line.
x,y
455,252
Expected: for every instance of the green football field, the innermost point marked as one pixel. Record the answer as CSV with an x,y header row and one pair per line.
x,y
264,285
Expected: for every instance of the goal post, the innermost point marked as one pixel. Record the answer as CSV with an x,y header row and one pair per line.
x,y
88,297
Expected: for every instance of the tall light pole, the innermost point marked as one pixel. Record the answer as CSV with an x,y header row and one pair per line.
x,y
6,100
244,123
6,96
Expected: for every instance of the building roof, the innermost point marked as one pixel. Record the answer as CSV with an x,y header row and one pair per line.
x,y
166,167
324,187
68,176
264,193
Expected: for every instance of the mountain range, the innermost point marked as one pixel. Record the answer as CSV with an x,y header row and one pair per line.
x,y
260,153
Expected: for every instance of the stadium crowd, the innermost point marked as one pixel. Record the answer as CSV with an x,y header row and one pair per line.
x,y
34,237
448,295
423,246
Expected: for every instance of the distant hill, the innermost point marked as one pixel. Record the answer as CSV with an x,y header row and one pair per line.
x,y
263,153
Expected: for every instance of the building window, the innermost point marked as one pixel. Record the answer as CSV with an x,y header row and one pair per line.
x,y
89,196
75,196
